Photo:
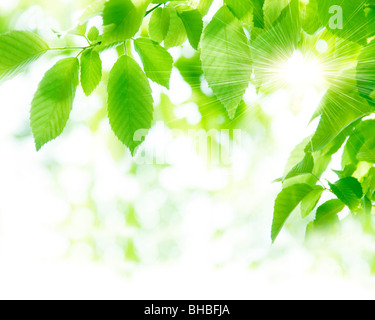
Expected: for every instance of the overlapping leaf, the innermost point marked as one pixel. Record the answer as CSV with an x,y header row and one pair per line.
x,y
226,60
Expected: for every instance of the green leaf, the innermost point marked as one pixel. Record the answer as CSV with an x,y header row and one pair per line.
x,y
287,200
349,191
367,205
122,19
273,47
204,6
92,10
157,62
226,60
240,8
93,34
176,34
272,10
366,71
192,20
363,131
130,102
159,24
304,167
328,211
310,201
368,183
53,101
367,151
354,20
17,50
340,107
91,71
310,17
258,13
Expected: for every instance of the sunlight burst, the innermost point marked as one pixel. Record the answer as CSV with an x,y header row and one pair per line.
x,y
300,72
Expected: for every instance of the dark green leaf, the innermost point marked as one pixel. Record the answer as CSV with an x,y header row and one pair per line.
x,y
349,191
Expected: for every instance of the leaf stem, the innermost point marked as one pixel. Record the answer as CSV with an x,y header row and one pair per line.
x,y
154,8
68,48
76,48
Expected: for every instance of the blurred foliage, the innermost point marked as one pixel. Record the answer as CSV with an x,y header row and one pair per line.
x,y
139,219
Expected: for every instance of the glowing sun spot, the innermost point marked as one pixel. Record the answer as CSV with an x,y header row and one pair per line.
x,y
300,72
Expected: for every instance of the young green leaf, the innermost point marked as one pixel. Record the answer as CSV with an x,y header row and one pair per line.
x,y
130,102
363,131
157,62
310,17
91,71
240,8
122,19
159,24
192,20
204,6
304,167
17,50
176,34
340,107
93,34
287,200
310,201
367,151
53,101
366,71
279,41
328,211
226,60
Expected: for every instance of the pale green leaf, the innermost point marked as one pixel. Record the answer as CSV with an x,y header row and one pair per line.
x,y
176,34
91,71
240,8
53,101
192,20
130,102
93,34
310,201
17,50
306,166
122,19
157,62
226,61
159,24
339,110
287,200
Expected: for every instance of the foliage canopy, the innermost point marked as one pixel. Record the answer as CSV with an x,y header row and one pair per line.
x,y
243,43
